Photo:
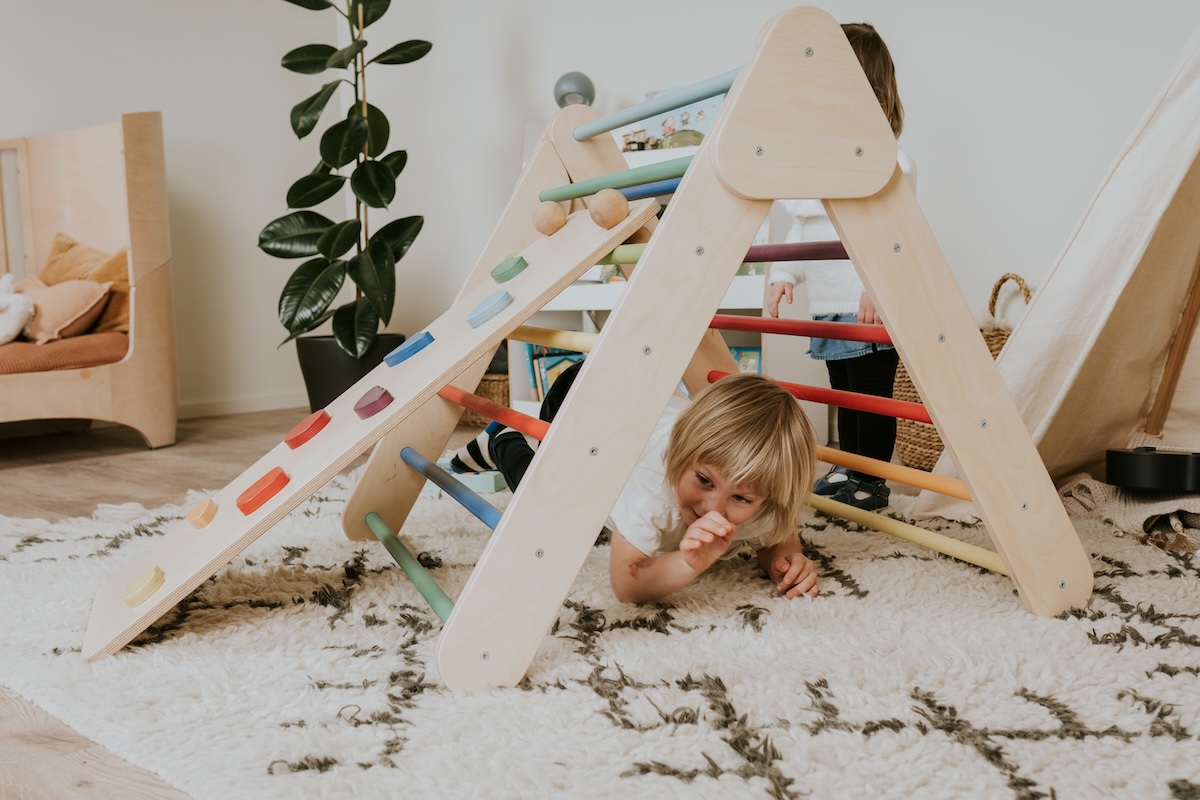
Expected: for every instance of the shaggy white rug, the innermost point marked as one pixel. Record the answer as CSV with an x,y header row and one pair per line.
x,y
305,669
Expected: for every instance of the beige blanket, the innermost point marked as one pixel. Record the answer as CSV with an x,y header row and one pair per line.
x,y
1166,520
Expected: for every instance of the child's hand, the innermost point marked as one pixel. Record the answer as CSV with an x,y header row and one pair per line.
x,y
794,574
779,290
867,313
705,540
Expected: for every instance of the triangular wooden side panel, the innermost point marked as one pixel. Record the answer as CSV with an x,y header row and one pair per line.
x,y
189,555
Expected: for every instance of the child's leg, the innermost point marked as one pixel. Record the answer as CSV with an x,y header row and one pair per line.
x,y
511,450
847,420
474,456
873,374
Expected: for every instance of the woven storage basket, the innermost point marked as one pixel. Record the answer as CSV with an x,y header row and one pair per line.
x,y
492,387
917,443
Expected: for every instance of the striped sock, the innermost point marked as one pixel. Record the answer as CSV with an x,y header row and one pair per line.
x,y
473,456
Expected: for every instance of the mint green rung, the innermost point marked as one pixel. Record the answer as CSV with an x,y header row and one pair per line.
x,y
663,170
426,585
624,254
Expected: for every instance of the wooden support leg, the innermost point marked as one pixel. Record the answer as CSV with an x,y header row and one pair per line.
x,y
903,269
516,589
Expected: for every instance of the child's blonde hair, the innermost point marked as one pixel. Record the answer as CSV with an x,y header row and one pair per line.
x,y
876,61
751,429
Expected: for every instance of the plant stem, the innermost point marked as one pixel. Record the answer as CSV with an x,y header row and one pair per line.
x,y
360,91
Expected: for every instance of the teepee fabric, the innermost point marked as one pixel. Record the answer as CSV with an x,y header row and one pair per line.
x,y
1085,362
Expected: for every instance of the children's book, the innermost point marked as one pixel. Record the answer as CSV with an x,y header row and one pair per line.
x,y
546,364
749,359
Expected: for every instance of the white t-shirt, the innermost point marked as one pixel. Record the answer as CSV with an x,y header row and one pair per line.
x,y
647,512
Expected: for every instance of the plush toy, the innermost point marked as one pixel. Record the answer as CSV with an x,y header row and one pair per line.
x,y
15,310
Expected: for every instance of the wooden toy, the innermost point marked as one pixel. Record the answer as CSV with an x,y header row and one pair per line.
x,y
262,490
309,427
799,120
608,208
202,513
142,585
549,217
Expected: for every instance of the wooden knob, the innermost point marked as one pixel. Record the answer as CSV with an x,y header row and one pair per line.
x,y
608,207
549,217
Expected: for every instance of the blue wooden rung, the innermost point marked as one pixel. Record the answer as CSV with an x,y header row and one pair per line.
x,y
487,513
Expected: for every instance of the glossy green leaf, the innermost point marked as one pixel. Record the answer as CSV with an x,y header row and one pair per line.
x,y
396,161
379,130
294,235
374,270
373,183
308,293
340,238
306,113
399,235
313,189
308,60
321,169
403,53
315,5
345,57
344,141
355,326
372,11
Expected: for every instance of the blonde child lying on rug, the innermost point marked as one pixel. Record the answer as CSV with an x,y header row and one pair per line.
x,y
731,469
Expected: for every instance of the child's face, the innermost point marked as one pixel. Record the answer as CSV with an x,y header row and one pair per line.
x,y
703,488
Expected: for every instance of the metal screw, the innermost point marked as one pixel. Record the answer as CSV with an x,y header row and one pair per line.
x,y
858,151
983,423
758,151
593,451
485,655
1024,506
646,350
1062,584
941,338
539,553
896,247
808,51
700,250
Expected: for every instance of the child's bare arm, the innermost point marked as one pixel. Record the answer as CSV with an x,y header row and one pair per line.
x,y
639,578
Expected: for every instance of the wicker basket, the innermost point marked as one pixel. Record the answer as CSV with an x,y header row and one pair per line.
x,y
492,387
917,443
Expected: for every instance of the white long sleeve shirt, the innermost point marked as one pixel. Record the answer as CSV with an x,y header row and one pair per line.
x,y
833,286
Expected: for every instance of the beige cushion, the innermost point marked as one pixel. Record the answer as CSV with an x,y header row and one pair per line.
x,y
71,261
63,310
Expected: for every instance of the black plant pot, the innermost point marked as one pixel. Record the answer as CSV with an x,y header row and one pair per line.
x,y
329,372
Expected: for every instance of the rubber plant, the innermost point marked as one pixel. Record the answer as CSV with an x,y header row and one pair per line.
x,y
353,154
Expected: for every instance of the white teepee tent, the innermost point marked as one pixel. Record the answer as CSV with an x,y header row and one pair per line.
x,y
1092,362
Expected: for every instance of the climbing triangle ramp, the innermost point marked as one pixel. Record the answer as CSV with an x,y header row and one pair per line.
x,y
798,120
325,443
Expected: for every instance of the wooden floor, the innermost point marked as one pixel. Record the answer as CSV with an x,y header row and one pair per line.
x,y
59,476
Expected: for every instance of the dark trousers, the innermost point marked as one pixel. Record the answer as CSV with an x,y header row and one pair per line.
x,y
872,435
510,451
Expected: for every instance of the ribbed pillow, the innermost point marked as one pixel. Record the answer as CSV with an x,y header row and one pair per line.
x,y
71,261
63,310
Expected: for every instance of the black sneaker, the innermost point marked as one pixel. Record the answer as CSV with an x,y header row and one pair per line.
x,y
831,481
869,495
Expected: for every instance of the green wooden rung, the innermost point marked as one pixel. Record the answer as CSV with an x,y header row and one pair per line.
x,y
426,585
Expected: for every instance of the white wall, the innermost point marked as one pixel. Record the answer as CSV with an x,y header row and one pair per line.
x,y
1015,112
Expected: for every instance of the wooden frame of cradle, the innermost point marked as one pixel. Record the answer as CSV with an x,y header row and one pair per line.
x,y
104,186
